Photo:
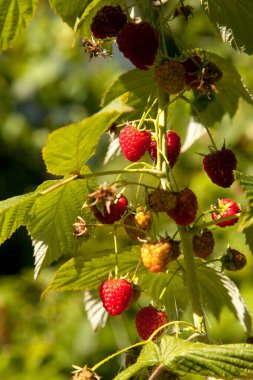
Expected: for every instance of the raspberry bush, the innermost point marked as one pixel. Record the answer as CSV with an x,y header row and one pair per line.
x,y
162,250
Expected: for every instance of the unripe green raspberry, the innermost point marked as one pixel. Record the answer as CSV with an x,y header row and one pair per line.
x,y
170,76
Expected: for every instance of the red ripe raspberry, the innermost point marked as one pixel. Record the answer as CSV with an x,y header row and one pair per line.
x,y
139,43
116,209
186,209
226,207
192,67
233,260
219,166
134,143
156,256
108,21
170,76
203,244
173,148
148,320
115,295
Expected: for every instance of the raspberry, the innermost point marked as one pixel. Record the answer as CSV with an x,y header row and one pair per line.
x,y
108,21
134,143
148,319
219,166
85,374
115,295
192,67
203,244
233,260
161,200
226,207
156,256
143,219
116,209
186,208
170,76
173,148
139,43
140,220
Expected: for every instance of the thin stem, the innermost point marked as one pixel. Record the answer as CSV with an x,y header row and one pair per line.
x,y
116,252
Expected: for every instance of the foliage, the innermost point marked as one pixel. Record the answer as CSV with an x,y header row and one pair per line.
x,y
59,206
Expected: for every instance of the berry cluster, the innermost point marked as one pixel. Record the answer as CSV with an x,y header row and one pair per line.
x,y
137,41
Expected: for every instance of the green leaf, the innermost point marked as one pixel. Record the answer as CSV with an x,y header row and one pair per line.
x,y
230,89
51,228
249,237
14,213
15,16
179,356
218,290
69,148
139,85
68,10
246,182
81,274
83,25
233,19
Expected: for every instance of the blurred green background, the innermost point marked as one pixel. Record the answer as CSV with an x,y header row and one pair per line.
x,y
46,83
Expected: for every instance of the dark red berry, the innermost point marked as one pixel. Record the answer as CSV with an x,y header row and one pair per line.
x,y
115,295
139,43
233,260
219,166
148,320
226,207
203,244
173,148
134,143
108,21
192,67
116,209
186,208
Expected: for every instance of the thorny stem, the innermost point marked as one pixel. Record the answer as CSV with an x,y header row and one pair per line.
x,y
152,172
156,372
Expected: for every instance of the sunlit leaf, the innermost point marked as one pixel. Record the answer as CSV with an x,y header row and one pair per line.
x,y
51,228
233,19
179,356
15,16
69,148
14,212
68,10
